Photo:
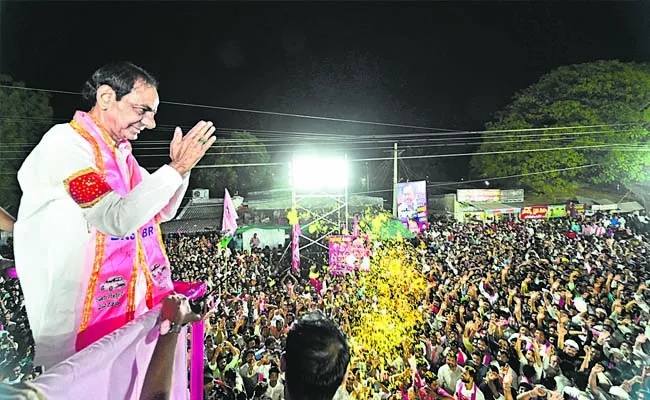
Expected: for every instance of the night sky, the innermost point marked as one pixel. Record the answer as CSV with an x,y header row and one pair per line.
x,y
435,64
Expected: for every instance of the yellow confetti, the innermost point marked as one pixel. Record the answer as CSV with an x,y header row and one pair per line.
x,y
384,315
292,216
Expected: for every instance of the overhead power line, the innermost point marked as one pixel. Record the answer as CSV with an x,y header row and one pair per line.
x,y
494,178
378,139
491,178
284,133
598,147
595,147
295,115
246,110
366,139
353,149
164,151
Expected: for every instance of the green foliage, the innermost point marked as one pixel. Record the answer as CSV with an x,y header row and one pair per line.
x,y
608,93
24,117
240,148
381,225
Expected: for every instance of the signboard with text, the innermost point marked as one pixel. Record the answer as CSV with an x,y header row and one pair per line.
x,y
503,211
512,196
604,207
478,195
535,212
557,211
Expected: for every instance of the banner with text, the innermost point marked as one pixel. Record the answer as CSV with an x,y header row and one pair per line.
x,y
535,212
412,205
557,211
512,196
349,253
478,195
490,195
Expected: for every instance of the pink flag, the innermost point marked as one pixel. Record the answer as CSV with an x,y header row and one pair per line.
x,y
229,222
355,230
295,247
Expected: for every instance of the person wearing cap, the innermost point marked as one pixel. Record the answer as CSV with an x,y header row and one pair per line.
x,y
571,347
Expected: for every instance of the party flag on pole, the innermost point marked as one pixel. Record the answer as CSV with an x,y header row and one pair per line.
x,y
355,230
229,221
295,247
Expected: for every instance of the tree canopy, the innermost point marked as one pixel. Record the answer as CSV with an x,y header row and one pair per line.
x,y
594,114
239,148
24,117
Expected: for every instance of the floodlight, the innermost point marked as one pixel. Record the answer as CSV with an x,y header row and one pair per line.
x,y
318,173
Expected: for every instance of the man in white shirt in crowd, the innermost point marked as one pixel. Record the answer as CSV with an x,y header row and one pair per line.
x,y
408,208
87,238
275,389
450,373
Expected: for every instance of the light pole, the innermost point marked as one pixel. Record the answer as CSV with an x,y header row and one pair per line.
x,y
367,178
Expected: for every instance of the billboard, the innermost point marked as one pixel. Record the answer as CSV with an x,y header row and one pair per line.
x,y
535,212
349,253
512,196
503,211
412,205
604,207
478,195
557,211
482,195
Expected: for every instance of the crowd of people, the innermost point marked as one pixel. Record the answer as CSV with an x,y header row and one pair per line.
x,y
513,309
16,343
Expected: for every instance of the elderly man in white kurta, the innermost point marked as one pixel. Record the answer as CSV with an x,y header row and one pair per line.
x,y
88,245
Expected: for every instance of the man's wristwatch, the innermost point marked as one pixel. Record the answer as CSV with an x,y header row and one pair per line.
x,y
167,326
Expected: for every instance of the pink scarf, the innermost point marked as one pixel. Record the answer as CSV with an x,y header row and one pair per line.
x,y
459,388
110,300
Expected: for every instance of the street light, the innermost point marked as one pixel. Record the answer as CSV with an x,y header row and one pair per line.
x,y
316,173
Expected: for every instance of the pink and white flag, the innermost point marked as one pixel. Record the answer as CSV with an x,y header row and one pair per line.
x,y
355,230
229,221
295,247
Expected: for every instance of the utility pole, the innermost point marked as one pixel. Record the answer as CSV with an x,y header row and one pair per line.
x,y
367,178
395,179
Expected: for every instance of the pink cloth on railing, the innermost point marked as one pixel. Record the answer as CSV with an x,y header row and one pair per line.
x,y
196,368
193,290
114,367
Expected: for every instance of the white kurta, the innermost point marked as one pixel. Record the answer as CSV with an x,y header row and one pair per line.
x,y
52,233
